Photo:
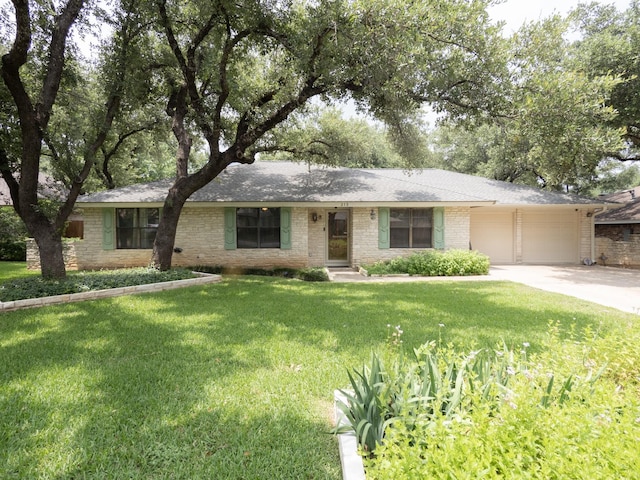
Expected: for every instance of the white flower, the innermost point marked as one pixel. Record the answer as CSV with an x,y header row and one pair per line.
x,y
525,344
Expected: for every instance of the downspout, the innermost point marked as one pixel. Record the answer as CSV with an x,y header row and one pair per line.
x,y
593,230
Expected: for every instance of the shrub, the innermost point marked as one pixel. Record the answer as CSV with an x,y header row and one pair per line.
x,y
13,251
572,411
36,287
434,263
442,386
314,274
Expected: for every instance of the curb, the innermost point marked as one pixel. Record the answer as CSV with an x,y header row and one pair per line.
x,y
350,459
202,279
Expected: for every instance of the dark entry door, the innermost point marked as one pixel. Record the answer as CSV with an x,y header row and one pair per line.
x,y
338,238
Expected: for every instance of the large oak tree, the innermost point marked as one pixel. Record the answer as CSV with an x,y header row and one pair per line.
x,y
243,68
60,109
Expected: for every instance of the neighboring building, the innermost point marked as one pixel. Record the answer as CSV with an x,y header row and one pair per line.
x,y
50,189
617,230
5,196
285,214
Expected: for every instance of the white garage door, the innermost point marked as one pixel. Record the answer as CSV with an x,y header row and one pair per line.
x,y
550,237
492,233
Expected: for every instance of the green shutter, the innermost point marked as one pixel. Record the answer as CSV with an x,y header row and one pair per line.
x,y
438,228
285,228
383,227
230,232
108,229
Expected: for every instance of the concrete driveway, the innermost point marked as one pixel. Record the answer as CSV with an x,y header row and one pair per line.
x,y
613,287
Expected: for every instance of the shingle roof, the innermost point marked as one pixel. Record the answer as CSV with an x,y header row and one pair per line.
x,y
47,188
285,182
627,212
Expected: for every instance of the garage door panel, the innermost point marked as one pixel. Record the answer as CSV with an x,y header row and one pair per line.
x,y
492,234
550,237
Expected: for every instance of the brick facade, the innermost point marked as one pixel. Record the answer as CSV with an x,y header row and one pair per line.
x,y
201,240
620,244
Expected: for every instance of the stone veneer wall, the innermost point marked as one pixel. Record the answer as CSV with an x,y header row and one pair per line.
x,y
68,253
457,228
201,238
316,237
365,244
620,249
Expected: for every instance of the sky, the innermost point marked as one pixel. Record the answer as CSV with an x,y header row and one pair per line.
x,y
516,12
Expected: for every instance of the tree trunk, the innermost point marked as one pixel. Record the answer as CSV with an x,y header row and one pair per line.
x,y
51,254
166,235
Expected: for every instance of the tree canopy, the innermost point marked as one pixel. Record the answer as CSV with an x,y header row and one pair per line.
x,y
244,69
610,45
558,125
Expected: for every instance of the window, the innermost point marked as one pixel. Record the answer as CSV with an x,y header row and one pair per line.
x,y
411,227
258,227
136,227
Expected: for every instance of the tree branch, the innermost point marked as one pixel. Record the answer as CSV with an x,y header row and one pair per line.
x,y
56,60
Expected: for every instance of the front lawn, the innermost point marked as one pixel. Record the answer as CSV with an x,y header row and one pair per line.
x,y
13,270
233,380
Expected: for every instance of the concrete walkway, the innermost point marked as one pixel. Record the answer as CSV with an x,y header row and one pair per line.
x,y
612,287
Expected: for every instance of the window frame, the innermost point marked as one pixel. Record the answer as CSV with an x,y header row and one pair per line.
x,y
263,233
141,236
411,228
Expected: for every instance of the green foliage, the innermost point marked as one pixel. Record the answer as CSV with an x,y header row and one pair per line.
x,y
12,229
587,427
12,236
433,263
558,126
366,406
327,138
439,385
13,251
311,274
609,45
76,282
500,412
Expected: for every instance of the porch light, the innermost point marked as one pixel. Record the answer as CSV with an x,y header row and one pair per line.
x,y
372,214
314,217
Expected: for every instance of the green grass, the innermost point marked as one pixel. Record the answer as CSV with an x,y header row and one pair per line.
x,y
14,270
233,380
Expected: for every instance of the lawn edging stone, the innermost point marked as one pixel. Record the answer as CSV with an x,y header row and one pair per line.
x,y
350,459
201,279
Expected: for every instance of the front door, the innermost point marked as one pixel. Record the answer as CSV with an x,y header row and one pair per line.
x,y
338,238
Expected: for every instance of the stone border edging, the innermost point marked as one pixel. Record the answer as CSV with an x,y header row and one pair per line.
x,y
350,459
202,279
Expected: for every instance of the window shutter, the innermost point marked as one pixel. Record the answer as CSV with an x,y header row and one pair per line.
x,y
230,229
438,228
383,227
285,228
108,229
